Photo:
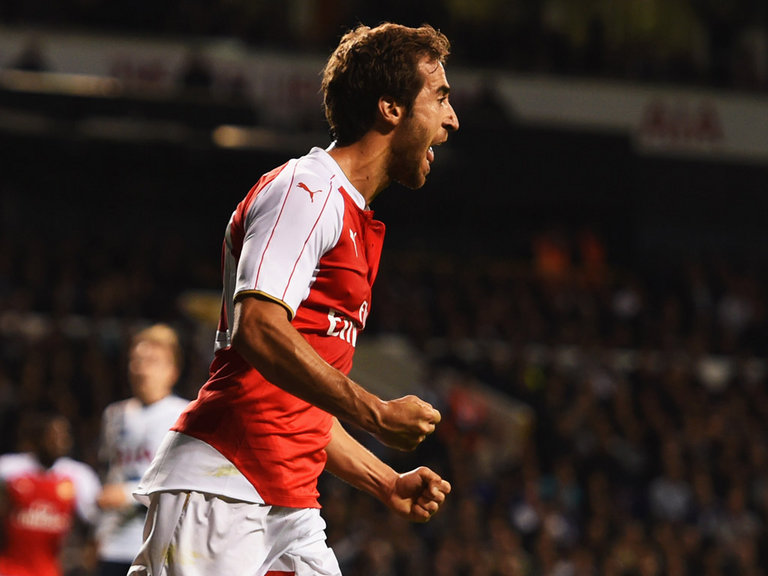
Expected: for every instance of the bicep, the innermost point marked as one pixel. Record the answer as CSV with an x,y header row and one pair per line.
x,y
264,336
257,313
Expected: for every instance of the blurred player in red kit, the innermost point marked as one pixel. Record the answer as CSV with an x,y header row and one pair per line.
x,y
41,494
233,488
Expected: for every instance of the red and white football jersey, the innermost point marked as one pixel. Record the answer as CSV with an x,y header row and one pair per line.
x,y
41,506
304,238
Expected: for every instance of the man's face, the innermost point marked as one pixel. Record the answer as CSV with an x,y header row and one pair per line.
x,y
152,371
430,120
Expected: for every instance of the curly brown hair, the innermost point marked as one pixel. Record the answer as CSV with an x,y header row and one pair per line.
x,y
372,62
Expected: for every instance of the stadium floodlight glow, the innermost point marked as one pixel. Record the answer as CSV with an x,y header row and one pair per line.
x,y
228,136
231,136
58,83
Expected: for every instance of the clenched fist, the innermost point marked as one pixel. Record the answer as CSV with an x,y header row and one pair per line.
x,y
405,422
417,495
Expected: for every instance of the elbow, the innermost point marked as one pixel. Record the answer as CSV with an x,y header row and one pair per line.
x,y
254,337
247,326
239,341
251,347
247,341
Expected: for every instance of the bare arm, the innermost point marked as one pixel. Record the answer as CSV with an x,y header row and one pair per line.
x,y
116,497
416,495
264,336
113,495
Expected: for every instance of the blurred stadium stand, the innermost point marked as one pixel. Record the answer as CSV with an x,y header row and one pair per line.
x,y
581,286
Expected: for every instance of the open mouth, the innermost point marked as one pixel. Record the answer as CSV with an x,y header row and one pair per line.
x,y
430,155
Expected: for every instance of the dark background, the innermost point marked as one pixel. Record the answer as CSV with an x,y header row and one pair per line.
x,y
643,371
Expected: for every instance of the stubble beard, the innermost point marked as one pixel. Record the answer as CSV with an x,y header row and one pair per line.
x,y
408,160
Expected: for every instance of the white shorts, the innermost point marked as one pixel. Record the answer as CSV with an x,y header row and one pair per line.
x,y
194,534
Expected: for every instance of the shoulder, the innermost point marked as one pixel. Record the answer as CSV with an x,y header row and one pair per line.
x,y
176,399
318,169
77,471
15,464
306,190
308,179
120,405
174,403
301,184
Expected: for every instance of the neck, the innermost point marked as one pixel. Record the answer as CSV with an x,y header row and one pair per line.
x,y
364,163
149,400
46,460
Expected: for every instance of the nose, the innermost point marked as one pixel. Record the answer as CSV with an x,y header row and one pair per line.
x,y
452,121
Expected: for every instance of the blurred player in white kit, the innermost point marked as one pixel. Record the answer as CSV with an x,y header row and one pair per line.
x,y
131,432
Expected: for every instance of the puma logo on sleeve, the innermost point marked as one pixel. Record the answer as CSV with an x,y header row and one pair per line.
x,y
311,192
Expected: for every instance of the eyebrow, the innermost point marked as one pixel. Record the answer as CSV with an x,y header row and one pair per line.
x,y
444,90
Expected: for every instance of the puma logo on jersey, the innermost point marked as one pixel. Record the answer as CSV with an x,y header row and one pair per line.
x,y
311,192
353,235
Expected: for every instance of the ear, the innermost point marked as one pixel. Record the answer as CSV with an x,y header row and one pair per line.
x,y
390,111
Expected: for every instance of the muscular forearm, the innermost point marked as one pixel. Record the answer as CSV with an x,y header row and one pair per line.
x,y
416,495
353,463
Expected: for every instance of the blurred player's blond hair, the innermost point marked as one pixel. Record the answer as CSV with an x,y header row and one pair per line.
x,y
162,335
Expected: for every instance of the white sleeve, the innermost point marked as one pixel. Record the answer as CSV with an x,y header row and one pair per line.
x,y
16,463
88,490
289,226
87,487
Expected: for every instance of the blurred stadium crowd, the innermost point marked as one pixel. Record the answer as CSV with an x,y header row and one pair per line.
x,y
705,42
647,454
